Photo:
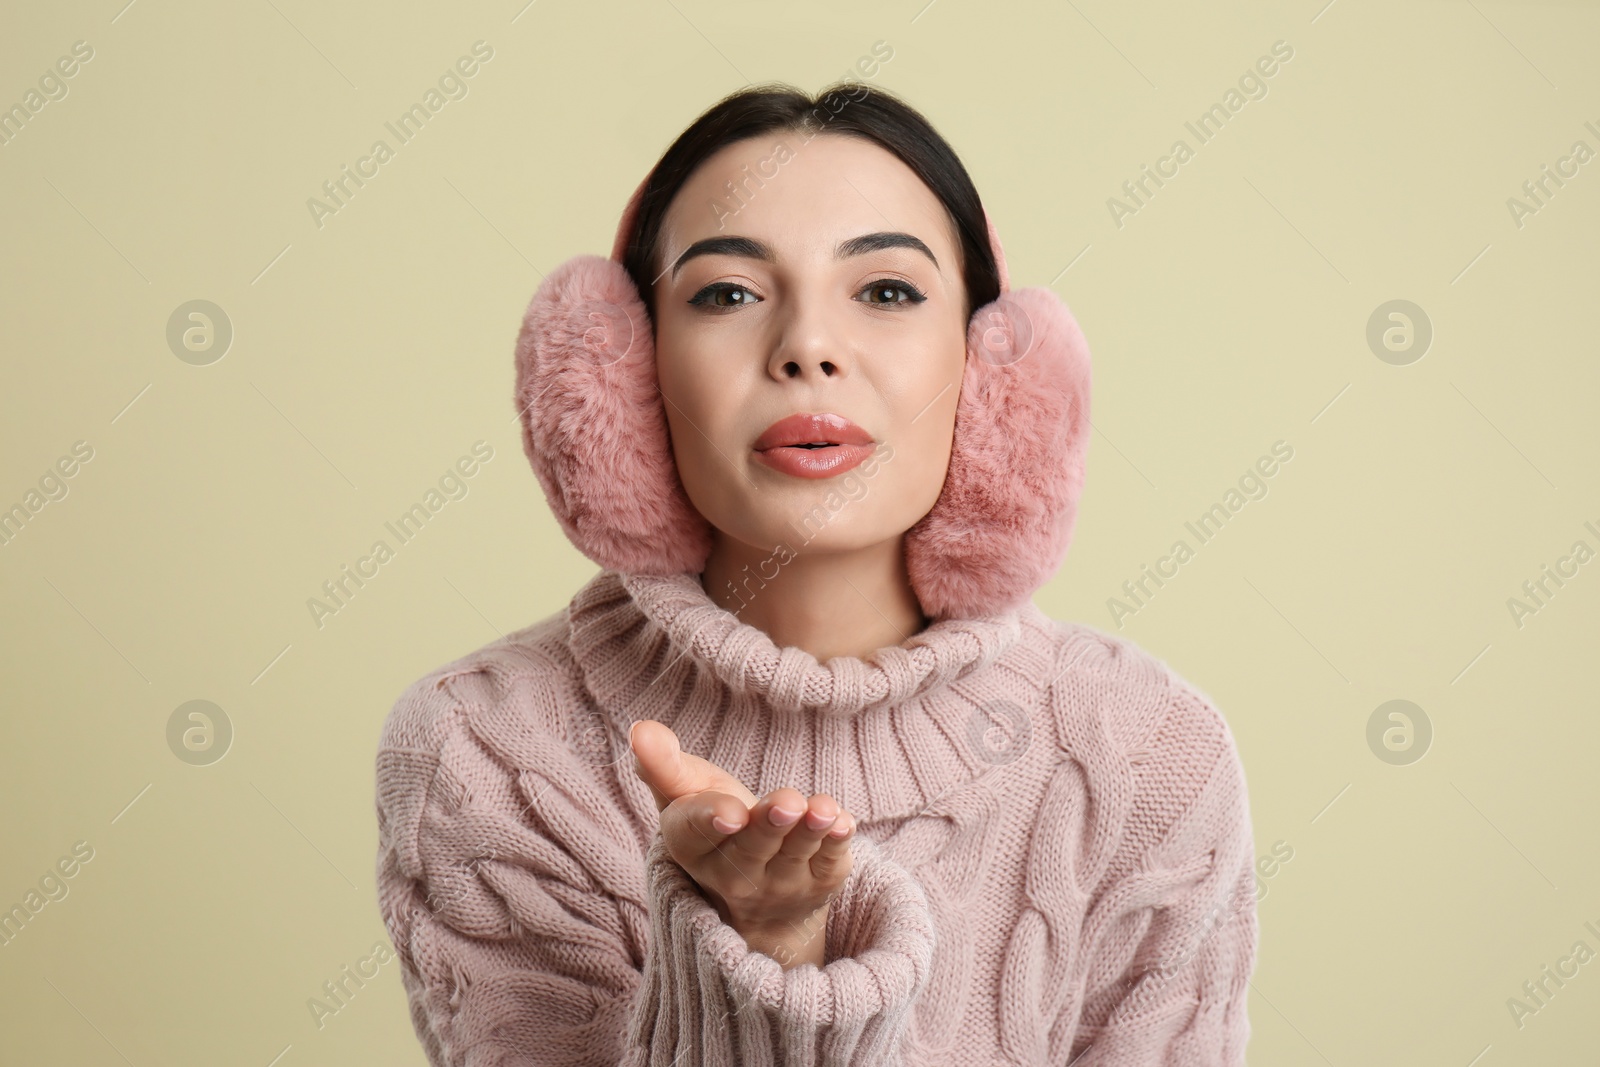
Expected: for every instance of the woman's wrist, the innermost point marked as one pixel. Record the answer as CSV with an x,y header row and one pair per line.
x,y
792,943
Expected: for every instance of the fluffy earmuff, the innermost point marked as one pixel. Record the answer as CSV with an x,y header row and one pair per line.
x,y
594,429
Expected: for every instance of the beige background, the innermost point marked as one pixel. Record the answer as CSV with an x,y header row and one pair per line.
x,y
369,354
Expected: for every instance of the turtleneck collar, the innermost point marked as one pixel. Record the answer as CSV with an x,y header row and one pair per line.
x,y
884,735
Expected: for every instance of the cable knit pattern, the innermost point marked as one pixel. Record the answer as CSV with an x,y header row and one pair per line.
x,y
1052,866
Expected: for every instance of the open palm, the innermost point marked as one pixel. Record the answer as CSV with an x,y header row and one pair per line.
x,y
769,865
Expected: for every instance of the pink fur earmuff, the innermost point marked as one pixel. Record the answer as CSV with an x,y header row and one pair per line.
x,y
594,428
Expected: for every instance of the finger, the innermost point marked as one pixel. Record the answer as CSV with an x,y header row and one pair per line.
x,y
761,839
670,772
661,801
643,773
831,863
806,837
657,759
693,824
661,763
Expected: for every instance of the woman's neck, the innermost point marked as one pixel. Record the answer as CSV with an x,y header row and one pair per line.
x,y
829,604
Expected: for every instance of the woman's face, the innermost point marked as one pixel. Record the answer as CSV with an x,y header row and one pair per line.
x,y
777,302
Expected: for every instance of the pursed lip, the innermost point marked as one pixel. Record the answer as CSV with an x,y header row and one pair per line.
x,y
804,429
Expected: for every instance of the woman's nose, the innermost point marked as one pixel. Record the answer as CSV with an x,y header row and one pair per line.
x,y
810,343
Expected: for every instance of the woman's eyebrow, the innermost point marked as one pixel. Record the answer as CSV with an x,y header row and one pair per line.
x,y
750,248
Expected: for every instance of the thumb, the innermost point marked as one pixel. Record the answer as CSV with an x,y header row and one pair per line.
x,y
672,773
658,760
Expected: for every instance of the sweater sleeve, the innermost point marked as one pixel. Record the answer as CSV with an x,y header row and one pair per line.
x,y
533,929
1177,933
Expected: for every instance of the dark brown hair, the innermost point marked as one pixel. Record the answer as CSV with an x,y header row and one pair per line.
x,y
851,109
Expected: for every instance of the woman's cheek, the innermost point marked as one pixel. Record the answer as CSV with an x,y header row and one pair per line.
x,y
928,438
926,480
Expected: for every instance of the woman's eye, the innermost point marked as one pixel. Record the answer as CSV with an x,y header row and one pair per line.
x,y
889,286
885,292
708,296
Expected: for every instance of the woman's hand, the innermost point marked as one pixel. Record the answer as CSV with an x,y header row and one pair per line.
x,y
769,879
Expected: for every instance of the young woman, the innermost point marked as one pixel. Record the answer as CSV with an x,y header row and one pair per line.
x,y
802,776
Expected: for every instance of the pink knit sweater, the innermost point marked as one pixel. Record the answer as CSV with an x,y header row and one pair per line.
x,y
1053,860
